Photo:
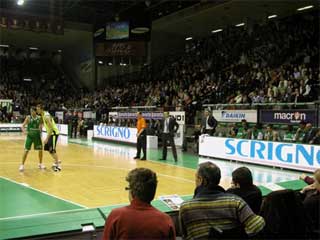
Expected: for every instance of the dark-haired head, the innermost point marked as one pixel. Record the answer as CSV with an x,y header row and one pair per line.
x,y
242,176
208,174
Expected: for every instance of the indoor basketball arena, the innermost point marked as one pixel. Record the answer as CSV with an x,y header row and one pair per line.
x,y
159,119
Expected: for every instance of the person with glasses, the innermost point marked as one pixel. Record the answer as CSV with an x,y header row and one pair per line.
x,y
139,220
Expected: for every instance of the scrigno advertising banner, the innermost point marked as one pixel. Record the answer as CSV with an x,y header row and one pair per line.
x,y
235,115
288,116
287,155
120,134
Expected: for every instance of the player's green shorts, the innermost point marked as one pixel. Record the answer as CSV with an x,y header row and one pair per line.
x,y
36,140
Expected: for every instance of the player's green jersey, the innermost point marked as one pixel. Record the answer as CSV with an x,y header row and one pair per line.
x,y
54,126
33,127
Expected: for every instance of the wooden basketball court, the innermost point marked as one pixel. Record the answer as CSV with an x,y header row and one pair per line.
x,y
93,175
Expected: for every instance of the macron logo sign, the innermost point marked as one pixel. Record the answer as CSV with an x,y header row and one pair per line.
x,y
289,116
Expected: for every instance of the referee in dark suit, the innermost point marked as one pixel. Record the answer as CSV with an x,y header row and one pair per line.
x,y
169,128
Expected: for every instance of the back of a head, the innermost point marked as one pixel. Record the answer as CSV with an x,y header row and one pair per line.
x,y
142,184
210,173
242,176
284,214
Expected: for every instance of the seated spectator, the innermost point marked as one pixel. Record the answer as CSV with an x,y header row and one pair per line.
x,y
213,208
300,132
310,132
311,202
316,138
271,134
256,132
233,130
284,215
289,134
139,220
242,185
243,130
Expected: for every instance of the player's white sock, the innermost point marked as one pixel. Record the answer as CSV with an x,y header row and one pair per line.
x,y
42,166
21,168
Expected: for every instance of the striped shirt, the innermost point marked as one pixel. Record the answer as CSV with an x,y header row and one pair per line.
x,y
213,207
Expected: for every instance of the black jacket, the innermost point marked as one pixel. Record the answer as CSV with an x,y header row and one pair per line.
x,y
212,122
173,126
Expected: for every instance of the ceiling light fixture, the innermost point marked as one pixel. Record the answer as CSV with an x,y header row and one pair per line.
x,y
272,16
305,8
217,30
240,25
20,2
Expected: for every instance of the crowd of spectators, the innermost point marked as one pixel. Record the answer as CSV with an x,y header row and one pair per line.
x,y
276,62
271,63
305,133
30,76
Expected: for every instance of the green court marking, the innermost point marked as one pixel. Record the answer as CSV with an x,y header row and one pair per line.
x,y
49,223
18,200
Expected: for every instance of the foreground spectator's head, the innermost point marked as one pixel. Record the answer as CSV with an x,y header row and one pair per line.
x,y
142,184
242,177
317,179
208,174
284,215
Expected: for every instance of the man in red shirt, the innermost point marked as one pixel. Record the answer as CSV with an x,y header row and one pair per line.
x,y
139,220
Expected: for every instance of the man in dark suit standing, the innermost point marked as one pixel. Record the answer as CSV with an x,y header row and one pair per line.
x,y
208,124
310,132
169,128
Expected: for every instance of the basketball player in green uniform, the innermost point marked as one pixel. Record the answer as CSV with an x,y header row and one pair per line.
x,y
50,142
32,126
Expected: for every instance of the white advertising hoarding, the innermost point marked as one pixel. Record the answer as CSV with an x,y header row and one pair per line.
x,y
119,134
10,127
286,155
63,129
235,115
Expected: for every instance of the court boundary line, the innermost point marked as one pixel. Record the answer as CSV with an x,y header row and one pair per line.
x,y
48,194
45,213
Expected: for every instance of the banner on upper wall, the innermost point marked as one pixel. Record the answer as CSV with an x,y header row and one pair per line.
x,y
179,116
112,49
235,115
286,155
293,116
31,23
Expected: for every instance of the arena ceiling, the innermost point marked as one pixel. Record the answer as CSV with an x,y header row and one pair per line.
x,y
199,20
98,11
